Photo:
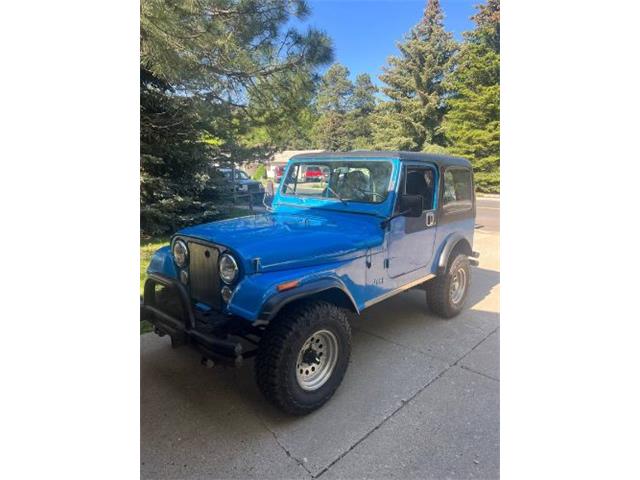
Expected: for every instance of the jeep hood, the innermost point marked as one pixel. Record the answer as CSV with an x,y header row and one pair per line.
x,y
293,240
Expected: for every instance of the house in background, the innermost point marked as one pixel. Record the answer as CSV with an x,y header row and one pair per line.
x,y
275,167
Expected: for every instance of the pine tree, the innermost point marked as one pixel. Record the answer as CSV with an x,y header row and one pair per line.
x,y
388,129
363,102
172,160
364,94
472,124
334,101
334,94
413,83
283,113
331,132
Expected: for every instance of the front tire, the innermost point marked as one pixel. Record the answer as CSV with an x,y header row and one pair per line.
x,y
447,293
303,356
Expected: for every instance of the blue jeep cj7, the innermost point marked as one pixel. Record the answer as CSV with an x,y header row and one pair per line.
x,y
281,286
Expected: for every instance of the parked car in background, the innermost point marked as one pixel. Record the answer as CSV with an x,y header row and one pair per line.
x,y
282,286
244,184
313,174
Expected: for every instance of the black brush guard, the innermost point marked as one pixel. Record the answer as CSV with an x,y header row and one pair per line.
x,y
214,343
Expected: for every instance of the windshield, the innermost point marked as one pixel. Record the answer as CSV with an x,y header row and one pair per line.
x,y
240,175
357,181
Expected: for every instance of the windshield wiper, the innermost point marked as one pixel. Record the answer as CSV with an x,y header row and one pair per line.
x,y
337,195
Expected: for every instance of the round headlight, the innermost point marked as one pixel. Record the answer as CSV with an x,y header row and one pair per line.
x,y
228,268
180,253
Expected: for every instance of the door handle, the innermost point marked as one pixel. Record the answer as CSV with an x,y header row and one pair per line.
x,y
430,219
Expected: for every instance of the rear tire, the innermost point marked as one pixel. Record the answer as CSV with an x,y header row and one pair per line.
x,y
303,356
446,294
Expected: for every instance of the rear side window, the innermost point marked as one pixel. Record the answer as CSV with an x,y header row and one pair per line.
x,y
457,188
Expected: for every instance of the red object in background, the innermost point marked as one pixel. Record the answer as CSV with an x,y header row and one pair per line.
x,y
278,172
313,173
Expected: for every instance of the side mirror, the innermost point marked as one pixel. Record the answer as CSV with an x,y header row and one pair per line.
x,y
411,205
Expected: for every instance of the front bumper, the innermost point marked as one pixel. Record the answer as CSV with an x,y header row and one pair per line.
x,y
208,331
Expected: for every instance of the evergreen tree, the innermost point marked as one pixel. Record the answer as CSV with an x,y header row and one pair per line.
x,y
388,129
472,124
364,94
413,83
219,48
331,132
172,159
334,101
363,102
282,112
334,94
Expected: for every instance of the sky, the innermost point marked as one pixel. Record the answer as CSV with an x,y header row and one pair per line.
x,y
365,32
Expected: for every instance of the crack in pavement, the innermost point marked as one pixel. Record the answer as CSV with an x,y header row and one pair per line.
x,y
476,346
464,367
286,451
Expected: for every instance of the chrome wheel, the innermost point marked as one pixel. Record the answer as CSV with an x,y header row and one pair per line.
x,y
458,285
316,360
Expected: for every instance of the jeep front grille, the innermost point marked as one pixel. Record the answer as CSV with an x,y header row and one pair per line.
x,y
204,279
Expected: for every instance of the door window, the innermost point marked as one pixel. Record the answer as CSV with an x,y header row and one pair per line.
x,y
420,181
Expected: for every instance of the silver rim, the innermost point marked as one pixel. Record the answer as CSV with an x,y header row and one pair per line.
x,y
316,360
458,285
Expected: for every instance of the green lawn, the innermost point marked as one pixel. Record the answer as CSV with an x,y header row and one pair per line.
x,y
147,248
150,245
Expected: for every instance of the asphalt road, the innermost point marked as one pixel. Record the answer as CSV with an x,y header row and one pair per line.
x,y
420,399
488,213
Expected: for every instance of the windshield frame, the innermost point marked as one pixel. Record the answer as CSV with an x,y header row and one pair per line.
x,y
383,208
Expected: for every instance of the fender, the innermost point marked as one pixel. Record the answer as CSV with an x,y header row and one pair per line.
x,y
452,241
162,263
275,303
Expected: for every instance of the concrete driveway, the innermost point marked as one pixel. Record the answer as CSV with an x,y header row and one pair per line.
x,y
420,400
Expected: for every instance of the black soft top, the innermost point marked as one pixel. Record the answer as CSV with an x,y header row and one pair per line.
x,y
440,160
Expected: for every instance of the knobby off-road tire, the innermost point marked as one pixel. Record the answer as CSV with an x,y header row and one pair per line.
x,y
443,297
280,372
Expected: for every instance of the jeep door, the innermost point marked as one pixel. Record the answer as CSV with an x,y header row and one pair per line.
x,y
411,240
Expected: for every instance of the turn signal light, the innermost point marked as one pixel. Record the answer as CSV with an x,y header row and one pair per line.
x,y
288,285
